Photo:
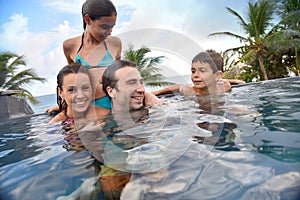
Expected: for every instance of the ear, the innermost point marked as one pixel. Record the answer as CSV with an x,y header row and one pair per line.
x,y
60,93
219,75
87,19
111,92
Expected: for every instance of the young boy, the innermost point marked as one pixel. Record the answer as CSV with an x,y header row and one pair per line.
x,y
206,76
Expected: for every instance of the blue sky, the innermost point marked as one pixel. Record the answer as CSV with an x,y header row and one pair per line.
x,y
176,29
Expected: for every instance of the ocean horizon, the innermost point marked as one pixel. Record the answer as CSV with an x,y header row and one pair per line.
x,y
46,101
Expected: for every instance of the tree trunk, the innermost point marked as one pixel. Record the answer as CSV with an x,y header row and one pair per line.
x,y
297,61
262,67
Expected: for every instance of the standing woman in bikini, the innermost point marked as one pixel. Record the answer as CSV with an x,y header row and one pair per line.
x,y
96,48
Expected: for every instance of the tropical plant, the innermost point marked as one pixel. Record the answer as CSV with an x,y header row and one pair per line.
x,y
262,39
11,79
287,7
146,65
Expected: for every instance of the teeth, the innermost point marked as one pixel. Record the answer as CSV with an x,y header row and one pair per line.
x,y
138,98
80,102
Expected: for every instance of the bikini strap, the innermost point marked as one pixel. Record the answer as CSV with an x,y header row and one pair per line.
x,y
66,114
105,45
81,42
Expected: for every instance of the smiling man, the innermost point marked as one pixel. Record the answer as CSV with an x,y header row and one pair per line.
x,y
123,83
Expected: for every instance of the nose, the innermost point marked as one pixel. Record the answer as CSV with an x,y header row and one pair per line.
x,y
140,88
108,31
196,74
79,94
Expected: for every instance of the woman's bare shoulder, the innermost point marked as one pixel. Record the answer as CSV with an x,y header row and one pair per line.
x,y
59,117
113,40
71,43
115,46
70,47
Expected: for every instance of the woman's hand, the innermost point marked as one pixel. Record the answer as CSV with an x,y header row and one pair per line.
x,y
52,109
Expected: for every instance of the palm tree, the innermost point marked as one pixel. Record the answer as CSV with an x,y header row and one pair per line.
x,y
286,8
262,37
146,65
10,79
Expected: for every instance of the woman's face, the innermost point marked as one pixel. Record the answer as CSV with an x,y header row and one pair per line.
x,y
77,92
101,28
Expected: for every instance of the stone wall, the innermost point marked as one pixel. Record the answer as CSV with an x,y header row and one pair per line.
x,y
12,108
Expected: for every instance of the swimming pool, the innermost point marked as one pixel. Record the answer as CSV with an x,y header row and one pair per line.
x,y
241,145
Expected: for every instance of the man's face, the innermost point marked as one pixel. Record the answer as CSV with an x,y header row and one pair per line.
x,y
129,91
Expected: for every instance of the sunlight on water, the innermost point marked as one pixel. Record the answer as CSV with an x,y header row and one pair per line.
x,y
240,145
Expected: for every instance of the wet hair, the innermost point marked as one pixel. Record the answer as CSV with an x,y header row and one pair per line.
x,y
108,77
214,59
97,9
73,68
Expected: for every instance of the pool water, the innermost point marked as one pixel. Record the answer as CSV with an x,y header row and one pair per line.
x,y
241,145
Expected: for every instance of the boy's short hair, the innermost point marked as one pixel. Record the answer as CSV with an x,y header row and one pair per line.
x,y
214,59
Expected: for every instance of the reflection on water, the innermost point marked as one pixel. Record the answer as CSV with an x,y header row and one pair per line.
x,y
240,145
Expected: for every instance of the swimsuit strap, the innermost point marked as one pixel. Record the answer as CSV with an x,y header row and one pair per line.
x,y
82,37
105,45
66,114
81,42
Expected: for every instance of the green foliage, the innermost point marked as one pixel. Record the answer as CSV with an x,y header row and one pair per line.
x,y
146,65
10,79
266,47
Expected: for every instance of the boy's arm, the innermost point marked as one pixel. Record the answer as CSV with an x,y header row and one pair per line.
x,y
168,90
186,90
151,99
235,81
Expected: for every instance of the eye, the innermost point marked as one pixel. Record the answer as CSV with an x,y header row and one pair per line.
x,y
86,87
72,89
132,82
106,26
193,71
202,69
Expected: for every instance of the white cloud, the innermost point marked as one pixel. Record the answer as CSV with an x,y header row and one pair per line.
x,y
43,51
64,6
179,29
10,30
195,19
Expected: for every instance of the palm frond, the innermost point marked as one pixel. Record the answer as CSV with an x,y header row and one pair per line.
x,y
145,64
12,80
226,33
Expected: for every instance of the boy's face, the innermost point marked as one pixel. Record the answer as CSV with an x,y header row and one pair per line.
x,y
203,76
129,91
